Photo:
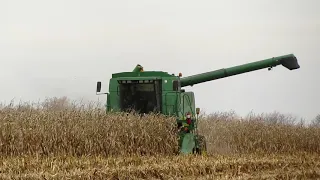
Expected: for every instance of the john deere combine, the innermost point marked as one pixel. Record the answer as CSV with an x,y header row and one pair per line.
x,y
160,92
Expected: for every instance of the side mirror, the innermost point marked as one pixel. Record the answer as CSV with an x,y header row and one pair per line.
x,y
98,86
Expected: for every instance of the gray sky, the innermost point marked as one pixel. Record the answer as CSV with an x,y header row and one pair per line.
x,y
57,48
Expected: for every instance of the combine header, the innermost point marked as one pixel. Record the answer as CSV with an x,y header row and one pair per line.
x,y
160,92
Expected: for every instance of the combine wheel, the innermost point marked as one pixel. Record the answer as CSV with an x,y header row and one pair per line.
x,y
201,148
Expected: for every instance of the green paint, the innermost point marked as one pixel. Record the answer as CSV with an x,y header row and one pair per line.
x,y
161,92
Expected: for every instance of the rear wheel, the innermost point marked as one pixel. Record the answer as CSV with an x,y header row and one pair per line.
x,y
201,147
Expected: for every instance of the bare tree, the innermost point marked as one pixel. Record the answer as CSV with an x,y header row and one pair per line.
x,y
316,121
56,103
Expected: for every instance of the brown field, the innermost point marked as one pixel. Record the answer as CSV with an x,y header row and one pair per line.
x,y
162,167
47,142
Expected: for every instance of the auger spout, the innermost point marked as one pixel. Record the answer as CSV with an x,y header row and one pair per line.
x,y
289,61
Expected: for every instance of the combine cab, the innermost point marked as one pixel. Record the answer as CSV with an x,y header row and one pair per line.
x,y
156,91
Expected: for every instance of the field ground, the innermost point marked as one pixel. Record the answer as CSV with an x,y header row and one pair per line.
x,y
163,167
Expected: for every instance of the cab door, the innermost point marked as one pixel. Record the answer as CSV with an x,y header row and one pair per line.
x,y
171,100
187,103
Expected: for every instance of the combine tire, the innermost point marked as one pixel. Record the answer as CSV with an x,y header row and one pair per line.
x,y
202,148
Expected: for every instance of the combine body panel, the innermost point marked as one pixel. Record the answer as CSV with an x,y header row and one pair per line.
x,y
160,92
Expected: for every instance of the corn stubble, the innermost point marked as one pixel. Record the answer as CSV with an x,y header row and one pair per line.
x,y
162,167
86,143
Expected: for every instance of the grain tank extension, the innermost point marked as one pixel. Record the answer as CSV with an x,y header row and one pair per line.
x,y
161,92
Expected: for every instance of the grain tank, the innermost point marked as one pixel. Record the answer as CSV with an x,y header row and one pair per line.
x,y
161,92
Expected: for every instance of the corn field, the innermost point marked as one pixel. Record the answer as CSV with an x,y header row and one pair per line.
x,y
85,142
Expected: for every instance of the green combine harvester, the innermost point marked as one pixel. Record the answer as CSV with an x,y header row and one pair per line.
x,y
160,92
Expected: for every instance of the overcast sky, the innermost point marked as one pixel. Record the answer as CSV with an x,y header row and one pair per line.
x,y
62,47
